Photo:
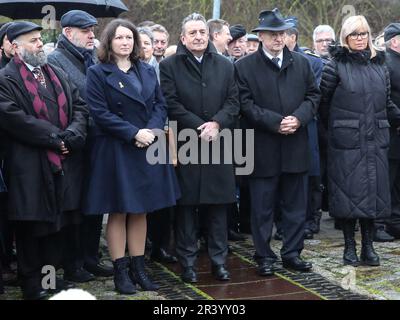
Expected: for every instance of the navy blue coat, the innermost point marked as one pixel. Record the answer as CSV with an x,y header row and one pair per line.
x,y
120,178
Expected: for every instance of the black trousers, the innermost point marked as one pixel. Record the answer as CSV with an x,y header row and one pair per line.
x,y
82,243
186,233
160,225
289,191
35,252
314,199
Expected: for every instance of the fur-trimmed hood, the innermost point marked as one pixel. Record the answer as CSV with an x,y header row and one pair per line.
x,y
343,54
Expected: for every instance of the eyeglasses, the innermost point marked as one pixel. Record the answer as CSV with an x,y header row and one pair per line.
x,y
355,35
324,40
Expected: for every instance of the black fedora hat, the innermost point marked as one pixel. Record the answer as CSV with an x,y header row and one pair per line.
x,y
272,21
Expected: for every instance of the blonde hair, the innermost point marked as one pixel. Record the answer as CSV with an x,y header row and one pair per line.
x,y
356,23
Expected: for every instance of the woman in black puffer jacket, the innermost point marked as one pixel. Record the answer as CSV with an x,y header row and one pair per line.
x,y
356,108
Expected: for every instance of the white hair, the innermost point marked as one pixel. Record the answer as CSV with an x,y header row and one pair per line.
x,y
323,28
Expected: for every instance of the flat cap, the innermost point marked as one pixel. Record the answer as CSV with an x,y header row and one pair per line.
x,y
252,37
3,31
19,28
237,31
391,31
293,20
78,18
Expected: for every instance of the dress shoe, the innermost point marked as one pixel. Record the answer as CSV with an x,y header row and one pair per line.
x,y
220,273
61,285
99,270
34,294
162,256
297,264
278,235
308,234
189,275
79,276
381,235
234,236
264,269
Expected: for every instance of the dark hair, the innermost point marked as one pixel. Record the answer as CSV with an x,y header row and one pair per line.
x,y
293,31
215,26
105,53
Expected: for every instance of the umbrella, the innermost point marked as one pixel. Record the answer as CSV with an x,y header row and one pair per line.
x,y
25,9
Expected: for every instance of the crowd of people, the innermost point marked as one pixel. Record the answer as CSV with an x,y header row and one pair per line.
x,y
78,121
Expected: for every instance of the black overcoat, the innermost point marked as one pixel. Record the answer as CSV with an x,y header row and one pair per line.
x,y
32,194
267,95
198,93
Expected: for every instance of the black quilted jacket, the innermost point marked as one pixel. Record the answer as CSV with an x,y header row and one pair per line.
x,y
356,109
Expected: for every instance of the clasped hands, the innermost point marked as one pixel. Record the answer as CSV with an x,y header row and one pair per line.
x,y
209,131
289,125
144,138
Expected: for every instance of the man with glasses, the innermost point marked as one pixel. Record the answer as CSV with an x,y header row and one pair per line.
x,y
323,36
279,97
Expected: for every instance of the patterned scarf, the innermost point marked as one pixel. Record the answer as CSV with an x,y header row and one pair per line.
x,y
32,85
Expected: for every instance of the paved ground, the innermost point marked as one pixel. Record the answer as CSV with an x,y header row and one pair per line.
x,y
330,280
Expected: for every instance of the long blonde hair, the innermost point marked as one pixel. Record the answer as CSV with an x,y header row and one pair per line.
x,y
353,24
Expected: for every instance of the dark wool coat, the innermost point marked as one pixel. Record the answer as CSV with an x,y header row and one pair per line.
x,y
198,93
355,108
267,95
32,194
120,179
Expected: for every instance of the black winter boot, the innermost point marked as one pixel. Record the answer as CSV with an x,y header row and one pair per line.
x,y
122,281
138,274
350,251
368,255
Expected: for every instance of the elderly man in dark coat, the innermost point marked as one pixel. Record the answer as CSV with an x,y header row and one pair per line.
x,y
45,121
75,53
279,97
201,94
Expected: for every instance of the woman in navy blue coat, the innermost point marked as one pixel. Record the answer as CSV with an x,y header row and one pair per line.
x,y
127,107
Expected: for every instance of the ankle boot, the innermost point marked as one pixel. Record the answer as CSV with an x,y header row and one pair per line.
x,y
368,255
138,274
350,251
122,281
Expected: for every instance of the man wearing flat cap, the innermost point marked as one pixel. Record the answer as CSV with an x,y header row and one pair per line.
x,y
6,48
392,224
45,121
74,54
237,47
279,97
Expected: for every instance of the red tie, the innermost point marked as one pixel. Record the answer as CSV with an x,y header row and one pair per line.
x,y
37,72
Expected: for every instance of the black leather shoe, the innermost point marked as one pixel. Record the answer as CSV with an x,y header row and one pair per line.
x,y
162,256
79,276
381,235
34,294
100,270
308,234
189,275
234,236
297,264
220,273
264,269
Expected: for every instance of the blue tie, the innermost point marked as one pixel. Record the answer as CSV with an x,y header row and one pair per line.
x,y
276,61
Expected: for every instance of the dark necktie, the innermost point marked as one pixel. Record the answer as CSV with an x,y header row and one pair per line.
x,y
275,60
37,72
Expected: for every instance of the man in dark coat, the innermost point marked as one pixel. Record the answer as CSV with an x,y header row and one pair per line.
x,y
5,46
74,54
392,224
202,96
279,97
45,121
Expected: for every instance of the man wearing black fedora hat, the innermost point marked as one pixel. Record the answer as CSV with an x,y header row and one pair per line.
x,y
45,124
279,97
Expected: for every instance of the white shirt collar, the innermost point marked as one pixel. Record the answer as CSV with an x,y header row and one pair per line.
x,y
270,56
199,59
30,67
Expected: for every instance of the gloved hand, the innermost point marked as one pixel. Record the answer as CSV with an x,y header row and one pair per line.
x,y
145,137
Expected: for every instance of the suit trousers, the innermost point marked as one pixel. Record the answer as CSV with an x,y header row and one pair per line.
x,y
160,228
289,192
186,233
35,252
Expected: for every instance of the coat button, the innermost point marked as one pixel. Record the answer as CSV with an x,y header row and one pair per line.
x,y
204,85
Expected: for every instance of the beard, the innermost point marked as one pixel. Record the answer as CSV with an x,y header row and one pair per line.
x,y
37,59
